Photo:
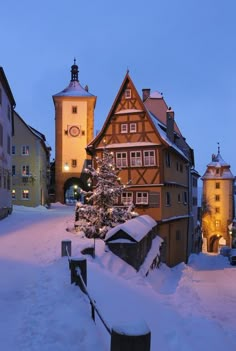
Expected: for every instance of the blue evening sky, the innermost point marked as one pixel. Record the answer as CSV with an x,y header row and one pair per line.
x,y
185,49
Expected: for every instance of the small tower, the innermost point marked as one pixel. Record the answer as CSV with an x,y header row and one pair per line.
x,y
74,128
217,203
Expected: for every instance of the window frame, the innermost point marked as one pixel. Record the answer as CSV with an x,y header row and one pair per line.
x,y
128,94
25,191
131,129
135,159
121,159
124,128
25,150
144,195
145,158
124,198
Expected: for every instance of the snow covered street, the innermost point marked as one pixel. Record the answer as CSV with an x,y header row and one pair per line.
x,y
188,307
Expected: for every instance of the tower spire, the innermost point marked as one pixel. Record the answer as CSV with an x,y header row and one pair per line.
x,y
218,148
74,72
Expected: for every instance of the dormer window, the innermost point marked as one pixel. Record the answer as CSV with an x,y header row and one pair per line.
x,y
127,93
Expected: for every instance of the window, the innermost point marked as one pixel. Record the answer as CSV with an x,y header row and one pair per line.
x,y
217,171
185,198
127,198
25,170
121,159
177,166
149,158
178,235
217,197
217,210
154,199
25,150
181,167
194,201
136,159
13,194
127,93
8,145
167,159
133,127
13,170
217,223
141,198
124,128
74,163
217,185
168,199
74,109
13,149
179,198
25,194
194,182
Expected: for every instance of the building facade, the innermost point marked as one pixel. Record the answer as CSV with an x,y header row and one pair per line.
x,y
7,105
30,165
157,162
217,203
74,128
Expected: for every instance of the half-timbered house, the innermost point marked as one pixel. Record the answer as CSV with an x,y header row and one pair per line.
x,y
154,157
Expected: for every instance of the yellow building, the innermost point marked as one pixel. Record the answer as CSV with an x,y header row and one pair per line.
x,y
30,165
217,203
74,127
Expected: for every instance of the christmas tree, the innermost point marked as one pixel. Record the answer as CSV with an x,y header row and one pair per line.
x,y
99,214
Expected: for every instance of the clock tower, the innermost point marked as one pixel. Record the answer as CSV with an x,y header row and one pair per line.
x,y
74,128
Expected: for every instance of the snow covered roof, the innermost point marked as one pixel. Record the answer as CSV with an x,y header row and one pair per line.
x,y
125,145
156,95
216,164
164,135
136,228
131,110
74,89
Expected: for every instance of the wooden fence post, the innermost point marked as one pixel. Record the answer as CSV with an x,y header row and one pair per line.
x,y
81,264
131,337
65,245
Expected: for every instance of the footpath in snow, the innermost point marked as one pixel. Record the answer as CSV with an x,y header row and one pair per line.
x,y
188,307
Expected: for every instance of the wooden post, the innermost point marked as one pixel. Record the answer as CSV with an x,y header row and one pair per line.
x,y
131,337
81,264
65,245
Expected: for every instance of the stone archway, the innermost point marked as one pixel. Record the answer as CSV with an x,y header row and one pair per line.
x,y
72,190
213,245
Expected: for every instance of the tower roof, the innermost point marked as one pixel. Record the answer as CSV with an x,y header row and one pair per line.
x,y
218,168
74,89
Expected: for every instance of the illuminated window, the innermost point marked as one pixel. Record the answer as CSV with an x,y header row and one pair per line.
x,y
25,150
25,194
13,194
135,158
127,198
149,158
141,198
25,170
217,210
124,128
217,197
121,159
127,93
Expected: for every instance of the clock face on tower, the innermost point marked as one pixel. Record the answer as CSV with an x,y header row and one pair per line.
x,y
74,131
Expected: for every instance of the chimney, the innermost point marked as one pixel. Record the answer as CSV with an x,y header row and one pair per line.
x,y
146,93
170,120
